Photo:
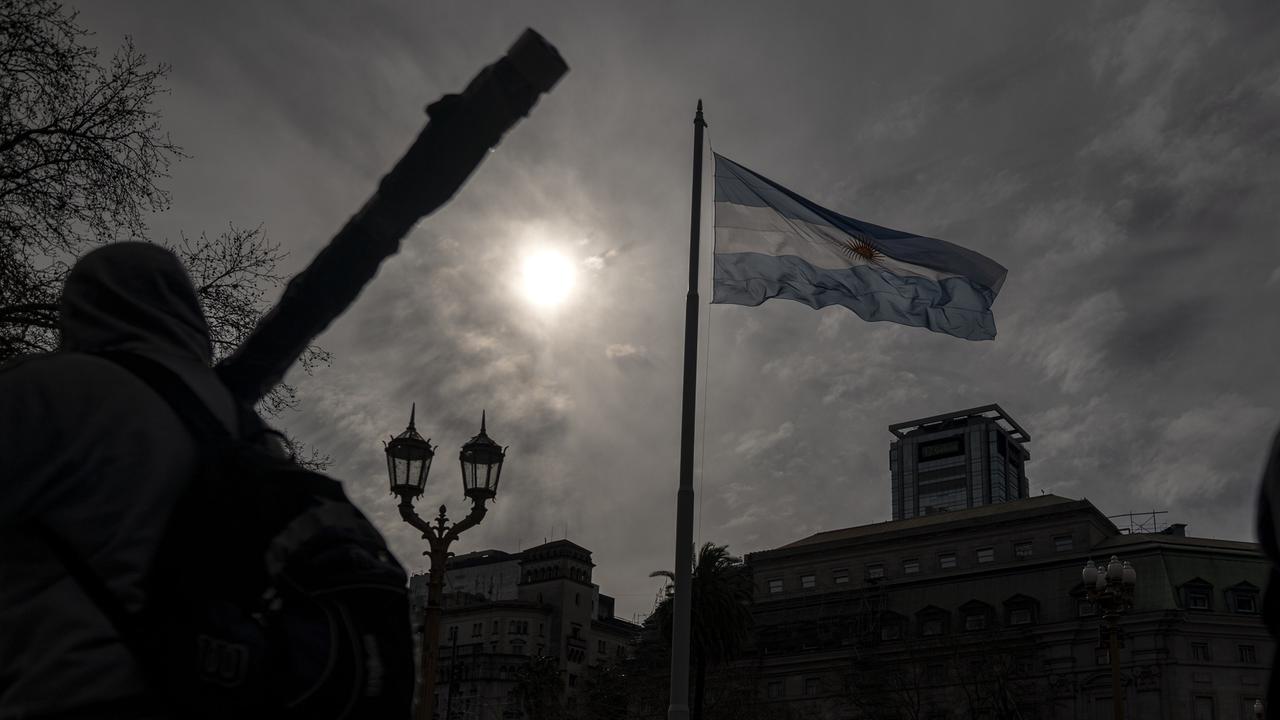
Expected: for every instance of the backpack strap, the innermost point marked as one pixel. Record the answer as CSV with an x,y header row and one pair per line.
x,y
126,623
166,383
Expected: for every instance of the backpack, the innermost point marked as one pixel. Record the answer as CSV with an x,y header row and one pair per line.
x,y
271,595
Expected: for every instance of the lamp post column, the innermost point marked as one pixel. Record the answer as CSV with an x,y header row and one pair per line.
x,y
439,557
1117,700
439,535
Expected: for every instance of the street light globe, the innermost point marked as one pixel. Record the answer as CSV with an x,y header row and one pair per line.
x,y
1115,570
1129,575
1089,575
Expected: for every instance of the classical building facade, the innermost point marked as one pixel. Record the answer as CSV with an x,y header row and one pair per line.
x,y
503,610
981,612
958,460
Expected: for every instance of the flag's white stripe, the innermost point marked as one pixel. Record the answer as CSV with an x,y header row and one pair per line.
x,y
743,228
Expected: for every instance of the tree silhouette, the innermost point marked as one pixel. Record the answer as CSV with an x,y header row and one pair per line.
x,y
82,156
721,617
539,688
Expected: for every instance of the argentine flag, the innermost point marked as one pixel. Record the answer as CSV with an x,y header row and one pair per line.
x,y
772,243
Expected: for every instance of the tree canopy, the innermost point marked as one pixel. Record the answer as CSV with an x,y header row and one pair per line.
x,y
83,156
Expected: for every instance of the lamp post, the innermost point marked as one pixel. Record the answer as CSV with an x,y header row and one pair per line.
x,y
1111,589
1257,709
408,462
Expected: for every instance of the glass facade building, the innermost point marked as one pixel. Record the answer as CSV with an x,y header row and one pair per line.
x,y
958,460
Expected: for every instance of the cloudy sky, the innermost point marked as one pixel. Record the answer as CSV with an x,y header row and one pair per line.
x,y
1122,160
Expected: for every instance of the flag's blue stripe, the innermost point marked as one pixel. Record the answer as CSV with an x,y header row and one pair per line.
x,y
954,306
740,186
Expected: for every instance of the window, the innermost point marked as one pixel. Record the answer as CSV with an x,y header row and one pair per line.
x,y
541,630
602,647
910,567
1248,655
931,627
1200,651
875,571
775,586
939,449
1021,610
975,621
840,577
1062,543
476,629
1197,600
808,582
1203,708
890,631
946,560
517,647
986,555
1022,550
1244,598
775,690
1101,656
1084,608
573,680
577,598
811,686
497,626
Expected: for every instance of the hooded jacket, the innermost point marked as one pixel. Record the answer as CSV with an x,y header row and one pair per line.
x,y
91,453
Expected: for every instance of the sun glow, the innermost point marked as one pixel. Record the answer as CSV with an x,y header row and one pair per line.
x,y
547,277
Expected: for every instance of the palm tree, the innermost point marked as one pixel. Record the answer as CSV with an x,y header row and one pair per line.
x,y
721,621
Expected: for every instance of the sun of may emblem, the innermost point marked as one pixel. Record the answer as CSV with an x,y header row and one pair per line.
x,y
857,248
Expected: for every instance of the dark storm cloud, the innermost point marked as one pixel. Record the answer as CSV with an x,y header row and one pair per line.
x,y
1119,159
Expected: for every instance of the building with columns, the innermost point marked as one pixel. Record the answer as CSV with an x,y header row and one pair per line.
x,y
974,607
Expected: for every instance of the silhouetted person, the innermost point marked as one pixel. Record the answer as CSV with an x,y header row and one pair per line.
x,y
1269,536
93,455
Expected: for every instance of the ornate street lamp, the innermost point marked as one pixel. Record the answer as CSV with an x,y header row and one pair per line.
x,y
481,459
1111,590
408,462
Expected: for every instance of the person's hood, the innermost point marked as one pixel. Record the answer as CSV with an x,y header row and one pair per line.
x,y
137,297
133,296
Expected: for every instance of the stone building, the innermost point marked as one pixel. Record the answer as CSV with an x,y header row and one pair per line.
x,y
981,612
502,610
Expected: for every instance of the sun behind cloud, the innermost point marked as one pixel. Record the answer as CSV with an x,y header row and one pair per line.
x,y
547,277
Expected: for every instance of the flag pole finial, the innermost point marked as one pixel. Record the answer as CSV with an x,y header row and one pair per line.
x,y
697,118
413,410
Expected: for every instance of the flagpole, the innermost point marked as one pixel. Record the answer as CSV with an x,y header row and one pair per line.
x,y
679,707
